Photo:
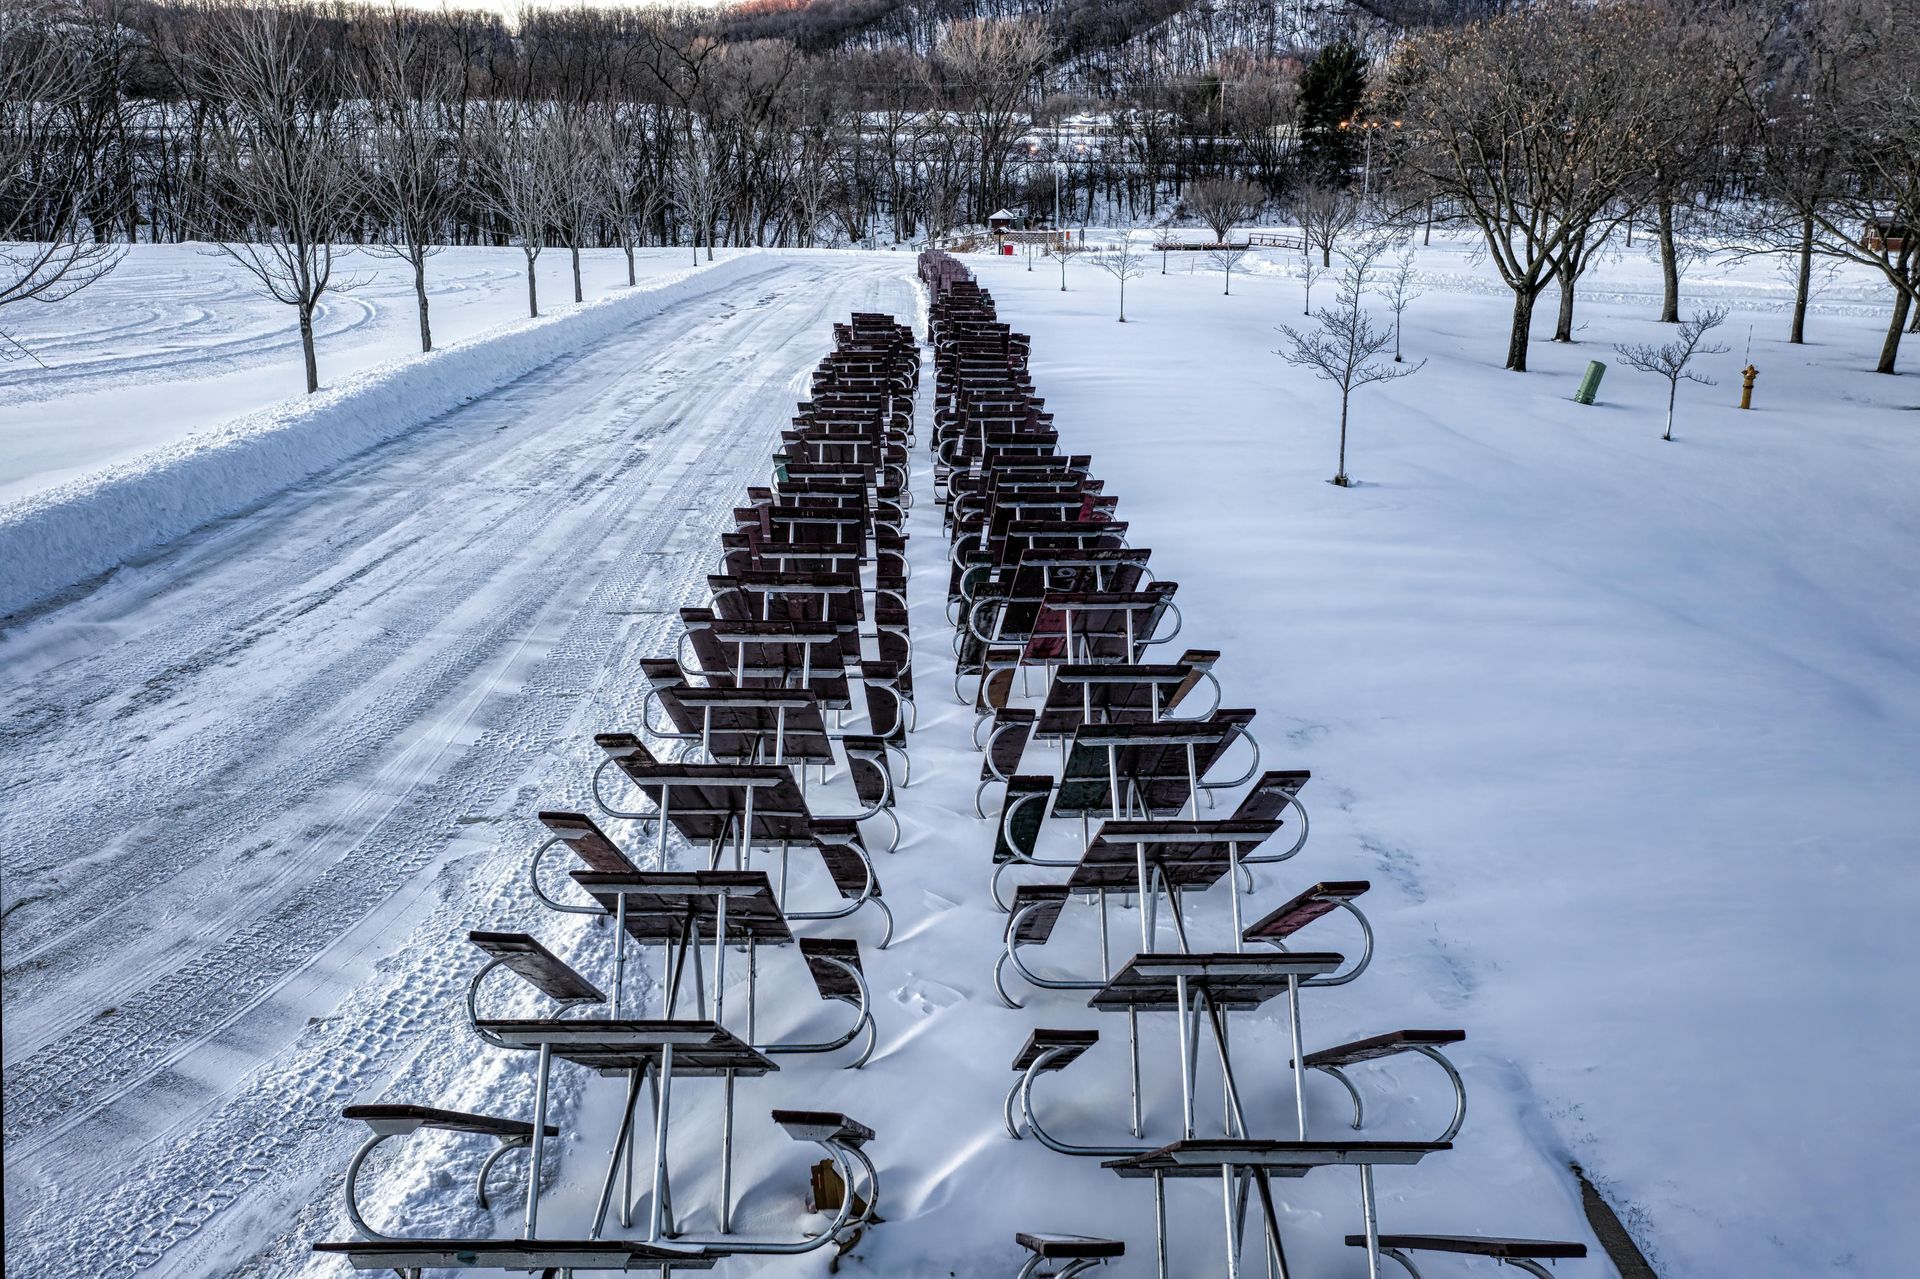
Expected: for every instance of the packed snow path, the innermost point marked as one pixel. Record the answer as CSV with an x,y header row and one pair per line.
x,y
238,771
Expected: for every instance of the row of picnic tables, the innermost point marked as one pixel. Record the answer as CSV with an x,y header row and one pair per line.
x,y
1101,785
742,811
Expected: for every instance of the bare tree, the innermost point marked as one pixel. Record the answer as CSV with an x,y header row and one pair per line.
x,y
46,185
700,184
578,197
1325,210
405,160
1670,360
1399,288
1342,347
629,197
1527,127
513,151
1836,121
1065,250
986,66
1226,257
1222,203
1310,273
281,166
1124,263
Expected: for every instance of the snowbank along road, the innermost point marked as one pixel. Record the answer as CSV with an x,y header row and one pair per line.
x,y
251,780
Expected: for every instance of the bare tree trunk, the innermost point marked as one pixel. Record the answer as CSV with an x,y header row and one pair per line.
x,y
420,295
1340,473
1673,390
1890,349
1669,265
1523,299
632,279
533,290
1803,285
1563,326
306,347
579,295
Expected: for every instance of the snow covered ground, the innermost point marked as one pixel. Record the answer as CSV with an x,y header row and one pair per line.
x,y
193,321
1622,731
1625,730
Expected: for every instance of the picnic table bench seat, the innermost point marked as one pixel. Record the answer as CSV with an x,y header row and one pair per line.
x,y
1044,1051
388,1120
1521,1254
1424,1043
1079,1253
1206,1156
410,1257
1231,982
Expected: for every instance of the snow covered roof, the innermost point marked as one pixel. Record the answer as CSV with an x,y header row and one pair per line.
x,y
1002,215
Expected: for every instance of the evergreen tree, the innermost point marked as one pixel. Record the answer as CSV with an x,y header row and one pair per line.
x,y
1331,90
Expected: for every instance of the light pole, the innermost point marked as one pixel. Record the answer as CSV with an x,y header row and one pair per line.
x,y
1367,128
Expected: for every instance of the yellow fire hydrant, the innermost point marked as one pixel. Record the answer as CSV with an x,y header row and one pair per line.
x,y
1746,386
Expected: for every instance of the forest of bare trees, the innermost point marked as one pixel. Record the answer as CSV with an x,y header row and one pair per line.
x,y
1547,131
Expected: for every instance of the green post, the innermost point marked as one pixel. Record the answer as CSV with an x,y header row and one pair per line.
x,y
1590,384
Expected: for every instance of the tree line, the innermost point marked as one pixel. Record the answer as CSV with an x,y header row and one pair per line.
x,y
1550,131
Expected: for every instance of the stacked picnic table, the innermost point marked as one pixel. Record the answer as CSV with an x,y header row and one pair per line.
x,y
735,820
1114,777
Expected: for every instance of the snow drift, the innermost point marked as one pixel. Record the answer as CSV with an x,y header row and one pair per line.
x,y
56,538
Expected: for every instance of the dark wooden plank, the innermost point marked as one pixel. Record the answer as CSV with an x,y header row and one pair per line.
x,y
1478,1246
1042,1040
539,967
1069,1247
400,1116
1378,1046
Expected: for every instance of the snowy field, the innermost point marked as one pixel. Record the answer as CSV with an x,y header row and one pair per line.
x,y
1622,732
194,322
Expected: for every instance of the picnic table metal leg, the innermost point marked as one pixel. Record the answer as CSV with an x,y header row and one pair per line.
x,y
1276,1251
619,953
655,1212
1160,1225
1233,1235
1106,959
620,1151
1233,880
1371,1223
545,1069
1186,1059
1133,1060
1299,1060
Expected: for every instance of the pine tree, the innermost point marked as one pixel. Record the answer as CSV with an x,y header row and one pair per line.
x,y
1332,89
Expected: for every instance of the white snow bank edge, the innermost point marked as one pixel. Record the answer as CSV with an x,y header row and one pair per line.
x,y
62,536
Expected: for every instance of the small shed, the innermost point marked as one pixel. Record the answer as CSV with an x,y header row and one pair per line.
x,y
1002,220
1884,235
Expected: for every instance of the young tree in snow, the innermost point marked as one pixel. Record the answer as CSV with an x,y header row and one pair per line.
x,y
1399,287
1324,210
1226,257
1222,203
628,194
700,184
1123,263
1310,273
406,87
514,157
1342,346
578,197
1066,250
281,167
1671,360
